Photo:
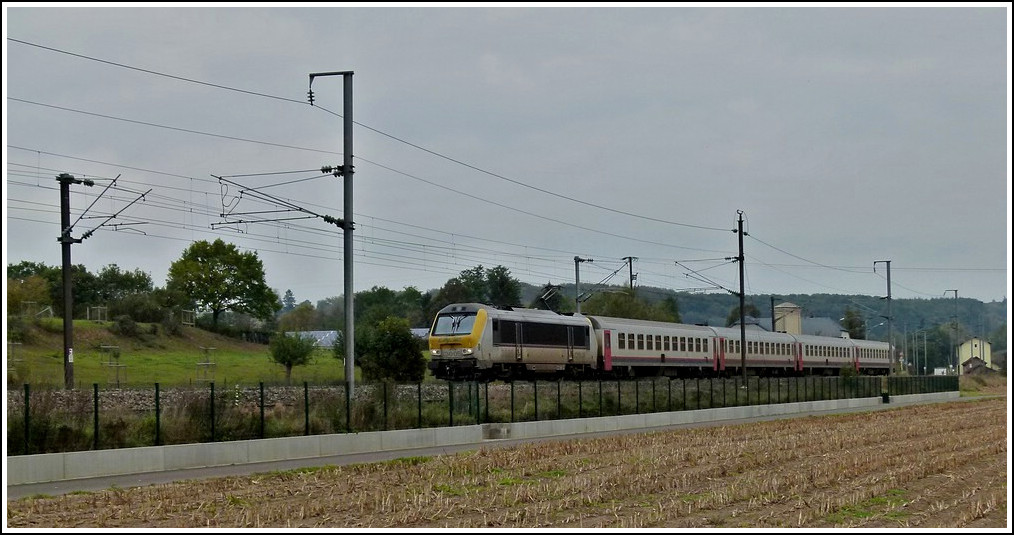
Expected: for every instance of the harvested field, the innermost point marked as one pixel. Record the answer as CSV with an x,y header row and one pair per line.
x,y
940,465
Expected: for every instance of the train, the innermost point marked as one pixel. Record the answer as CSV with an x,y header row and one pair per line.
x,y
474,341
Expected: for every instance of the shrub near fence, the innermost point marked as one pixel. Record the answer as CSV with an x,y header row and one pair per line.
x,y
50,420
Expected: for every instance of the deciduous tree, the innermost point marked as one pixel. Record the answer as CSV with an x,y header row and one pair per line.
x,y
219,277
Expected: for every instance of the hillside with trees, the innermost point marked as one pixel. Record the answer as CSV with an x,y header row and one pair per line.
x,y
242,306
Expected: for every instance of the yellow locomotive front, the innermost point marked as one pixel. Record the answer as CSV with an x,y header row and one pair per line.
x,y
455,339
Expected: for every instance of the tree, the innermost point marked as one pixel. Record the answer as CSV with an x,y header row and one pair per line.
x,y
301,318
218,277
625,304
733,317
501,288
114,284
391,352
474,281
32,288
288,301
290,351
494,286
454,291
853,323
375,304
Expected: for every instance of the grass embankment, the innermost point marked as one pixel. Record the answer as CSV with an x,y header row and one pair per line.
x,y
153,356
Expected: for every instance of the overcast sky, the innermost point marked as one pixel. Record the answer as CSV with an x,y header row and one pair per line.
x,y
522,136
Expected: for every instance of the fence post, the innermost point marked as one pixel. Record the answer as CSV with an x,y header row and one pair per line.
x,y
348,409
600,397
262,408
512,400
306,408
486,390
95,397
637,396
535,390
212,411
384,385
558,412
158,410
27,417
619,398
580,408
418,391
450,397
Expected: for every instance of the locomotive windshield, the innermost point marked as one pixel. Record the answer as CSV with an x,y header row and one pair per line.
x,y
454,324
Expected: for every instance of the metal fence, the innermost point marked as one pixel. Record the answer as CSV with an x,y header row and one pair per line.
x,y
49,420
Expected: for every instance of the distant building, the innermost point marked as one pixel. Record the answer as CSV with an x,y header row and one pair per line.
x,y
324,339
789,319
975,356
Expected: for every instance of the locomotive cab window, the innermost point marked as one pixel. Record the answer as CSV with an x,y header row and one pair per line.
x,y
454,324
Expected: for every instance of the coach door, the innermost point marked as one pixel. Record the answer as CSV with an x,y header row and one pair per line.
x,y
518,333
719,354
607,350
570,343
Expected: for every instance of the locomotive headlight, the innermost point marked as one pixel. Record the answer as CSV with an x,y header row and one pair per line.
x,y
435,352
467,351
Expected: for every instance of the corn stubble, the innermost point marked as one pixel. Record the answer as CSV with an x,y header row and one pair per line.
x,y
930,466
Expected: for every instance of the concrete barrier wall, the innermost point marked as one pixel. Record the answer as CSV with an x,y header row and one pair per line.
x,y
23,469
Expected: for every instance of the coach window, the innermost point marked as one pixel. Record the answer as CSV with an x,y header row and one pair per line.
x,y
705,345
658,342
640,341
650,345
665,343
621,341
683,343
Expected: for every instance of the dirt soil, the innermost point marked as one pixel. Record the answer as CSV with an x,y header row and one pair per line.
x,y
941,465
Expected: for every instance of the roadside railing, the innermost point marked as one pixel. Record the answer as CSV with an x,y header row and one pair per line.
x,y
50,420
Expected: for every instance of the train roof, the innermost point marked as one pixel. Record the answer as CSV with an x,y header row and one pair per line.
x,y
754,333
516,313
607,322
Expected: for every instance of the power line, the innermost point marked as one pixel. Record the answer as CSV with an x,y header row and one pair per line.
x,y
396,138
186,130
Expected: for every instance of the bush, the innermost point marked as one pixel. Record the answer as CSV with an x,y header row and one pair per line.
x,y
392,353
124,326
20,330
172,325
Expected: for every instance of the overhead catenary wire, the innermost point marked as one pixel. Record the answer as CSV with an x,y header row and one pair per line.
x,y
301,102
396,138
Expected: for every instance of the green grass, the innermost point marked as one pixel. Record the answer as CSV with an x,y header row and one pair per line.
x,y
878,505
155,357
